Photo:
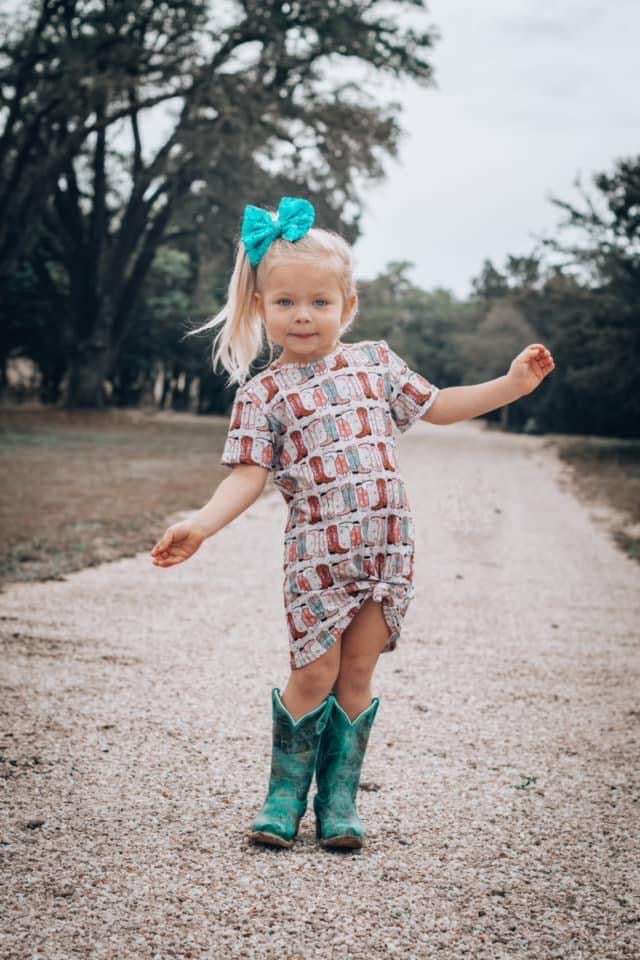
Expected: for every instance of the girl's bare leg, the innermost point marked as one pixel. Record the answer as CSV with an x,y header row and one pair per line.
x,y
308,686
362,643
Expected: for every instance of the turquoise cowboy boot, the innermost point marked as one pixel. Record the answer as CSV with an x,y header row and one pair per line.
x,y
340,755
293,758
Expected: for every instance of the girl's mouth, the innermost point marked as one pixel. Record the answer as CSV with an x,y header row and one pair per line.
x,y
303,336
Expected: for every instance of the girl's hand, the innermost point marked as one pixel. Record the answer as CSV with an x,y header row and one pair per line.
x,y
529,368
179,543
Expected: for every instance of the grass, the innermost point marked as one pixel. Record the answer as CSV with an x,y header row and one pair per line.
x,y
605,472
84,487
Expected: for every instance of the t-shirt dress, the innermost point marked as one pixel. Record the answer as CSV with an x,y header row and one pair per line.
x,y
325,429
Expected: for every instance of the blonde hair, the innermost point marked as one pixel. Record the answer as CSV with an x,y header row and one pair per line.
x,y
242,336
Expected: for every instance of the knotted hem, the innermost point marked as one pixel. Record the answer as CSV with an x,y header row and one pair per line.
x,y
393,609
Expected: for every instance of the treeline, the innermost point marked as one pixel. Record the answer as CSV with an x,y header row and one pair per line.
x,y
579,296
115,241
114,238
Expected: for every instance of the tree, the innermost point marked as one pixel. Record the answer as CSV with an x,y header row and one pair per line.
x,y
487,350
490,284
152,348
261,106
600,310
580,294
420,325
69,70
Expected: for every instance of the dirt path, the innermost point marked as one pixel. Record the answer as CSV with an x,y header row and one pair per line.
x,y
503,794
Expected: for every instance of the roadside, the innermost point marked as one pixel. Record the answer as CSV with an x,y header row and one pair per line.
x,y
82,488
604,473
85,487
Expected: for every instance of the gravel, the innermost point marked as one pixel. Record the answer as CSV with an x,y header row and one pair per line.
x,y
500,789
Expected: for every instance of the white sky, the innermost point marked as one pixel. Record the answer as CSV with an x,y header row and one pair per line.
x,y
528,96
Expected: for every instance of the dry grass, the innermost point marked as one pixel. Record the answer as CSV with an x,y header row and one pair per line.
x,y
82,487
605,472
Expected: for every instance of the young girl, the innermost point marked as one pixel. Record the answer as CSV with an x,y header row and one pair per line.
x,y
321,418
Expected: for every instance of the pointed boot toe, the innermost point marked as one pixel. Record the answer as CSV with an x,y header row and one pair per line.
x,y
293,758
339,835
338,766
271,835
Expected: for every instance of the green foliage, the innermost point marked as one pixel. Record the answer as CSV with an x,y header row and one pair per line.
x,y
589,308
153,342
487,349
421,326
110,247
261,106
582,299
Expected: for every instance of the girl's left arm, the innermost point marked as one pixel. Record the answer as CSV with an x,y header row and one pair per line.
x,y
526,373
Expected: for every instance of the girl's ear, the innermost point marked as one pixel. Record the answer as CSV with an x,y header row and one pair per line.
x,y
350,308
259,305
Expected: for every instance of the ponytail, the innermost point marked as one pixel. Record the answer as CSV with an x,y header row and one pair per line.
x,y
240,340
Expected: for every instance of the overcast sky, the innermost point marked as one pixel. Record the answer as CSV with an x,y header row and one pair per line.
x,y
528,95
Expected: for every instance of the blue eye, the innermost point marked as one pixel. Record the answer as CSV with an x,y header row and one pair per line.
x,y
283,300
322,301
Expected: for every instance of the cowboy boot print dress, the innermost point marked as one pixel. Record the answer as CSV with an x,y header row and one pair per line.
x,y
325,429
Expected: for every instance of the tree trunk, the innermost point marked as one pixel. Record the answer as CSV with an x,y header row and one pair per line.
x,y
52,377
166,388
147,392
180,398
88,370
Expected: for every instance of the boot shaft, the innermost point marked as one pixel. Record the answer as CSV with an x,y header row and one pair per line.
x,y
295,744
291,736
341,751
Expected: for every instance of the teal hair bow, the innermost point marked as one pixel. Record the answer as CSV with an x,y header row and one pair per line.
x,y
259,229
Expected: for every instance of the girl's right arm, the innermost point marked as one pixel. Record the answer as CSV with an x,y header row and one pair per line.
x,y
232,496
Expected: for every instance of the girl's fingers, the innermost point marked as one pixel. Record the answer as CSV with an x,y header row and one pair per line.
x,y
169,562
163,554
542,354
161,560
162,544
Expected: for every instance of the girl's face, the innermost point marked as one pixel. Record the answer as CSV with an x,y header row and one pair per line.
x,y
302,306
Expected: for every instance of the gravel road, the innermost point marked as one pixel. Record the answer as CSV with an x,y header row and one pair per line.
x,y
501,788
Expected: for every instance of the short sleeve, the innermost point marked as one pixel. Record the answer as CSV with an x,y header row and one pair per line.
x,y
249,437
410,394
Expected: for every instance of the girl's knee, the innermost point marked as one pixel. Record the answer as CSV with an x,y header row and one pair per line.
x,y
356,671
321,673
